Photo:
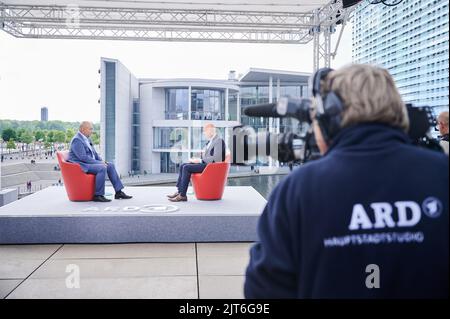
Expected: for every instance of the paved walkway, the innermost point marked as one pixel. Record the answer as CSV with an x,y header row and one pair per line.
x,y
26,160
188,270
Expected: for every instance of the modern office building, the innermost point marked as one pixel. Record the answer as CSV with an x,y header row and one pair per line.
x,y
411,40
44,114
151,125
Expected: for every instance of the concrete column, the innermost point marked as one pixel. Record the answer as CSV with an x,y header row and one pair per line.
x,y
239,107
270,89
226,105
270,101
271,120
278,98
189,102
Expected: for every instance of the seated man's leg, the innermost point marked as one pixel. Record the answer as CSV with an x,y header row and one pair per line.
x,y
185,179
180,174
99,170
114,177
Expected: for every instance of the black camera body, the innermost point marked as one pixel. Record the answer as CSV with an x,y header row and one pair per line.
x,y
293,148
421,119
250,147
328,108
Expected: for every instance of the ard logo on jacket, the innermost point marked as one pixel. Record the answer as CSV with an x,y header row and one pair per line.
x,y
400,214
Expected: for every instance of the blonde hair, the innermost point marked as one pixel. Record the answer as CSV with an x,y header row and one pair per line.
x,y
369,94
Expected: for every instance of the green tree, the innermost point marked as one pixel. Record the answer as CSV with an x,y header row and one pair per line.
x,y
59,137
8,134
95,138
11,145
27,139
39,135
70,133
45,135
19,133
50,137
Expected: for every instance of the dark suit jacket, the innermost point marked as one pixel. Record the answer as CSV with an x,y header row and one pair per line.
x,y
214,151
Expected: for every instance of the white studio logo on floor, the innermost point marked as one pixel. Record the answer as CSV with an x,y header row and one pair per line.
x,y
151,208
73,279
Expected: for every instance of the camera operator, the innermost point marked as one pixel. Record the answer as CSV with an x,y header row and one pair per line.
x,y
367,220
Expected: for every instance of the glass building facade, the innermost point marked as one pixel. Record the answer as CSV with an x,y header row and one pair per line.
x,y
136,141
170,161
170,137
411,40
153,125
177,104
207,104
250,95
110,110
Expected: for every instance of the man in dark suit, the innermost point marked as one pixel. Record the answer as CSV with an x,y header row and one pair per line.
x,y
82,151
213,152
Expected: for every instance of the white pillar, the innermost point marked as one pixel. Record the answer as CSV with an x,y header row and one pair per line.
x,y
226,105
271,120
270,101
270,89
278,98
189,102
238,107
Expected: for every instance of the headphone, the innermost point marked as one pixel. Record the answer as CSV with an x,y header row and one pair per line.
x,y
329,106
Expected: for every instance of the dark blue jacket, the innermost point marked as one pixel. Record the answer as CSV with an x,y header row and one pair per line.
x,y
373,199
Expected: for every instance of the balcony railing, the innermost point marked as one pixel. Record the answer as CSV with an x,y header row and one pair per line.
x,y
176,115
210,116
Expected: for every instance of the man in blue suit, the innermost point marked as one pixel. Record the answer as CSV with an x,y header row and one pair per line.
x,y
82,151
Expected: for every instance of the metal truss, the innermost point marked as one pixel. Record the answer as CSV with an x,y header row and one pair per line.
x,y
325,21
54,31
74,22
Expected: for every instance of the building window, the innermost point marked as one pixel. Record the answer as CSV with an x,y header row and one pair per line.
x,y
136,143
232,105
110,111
207,104
177,104
170,161
170,138
291,91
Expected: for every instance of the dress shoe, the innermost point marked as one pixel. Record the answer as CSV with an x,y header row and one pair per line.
x,y
178,198
122,195
173,195
100,198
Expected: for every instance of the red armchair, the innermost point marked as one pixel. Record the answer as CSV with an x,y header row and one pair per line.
x,y
210,184
79,185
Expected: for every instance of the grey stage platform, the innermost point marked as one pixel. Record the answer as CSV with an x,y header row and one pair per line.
x,y
49,217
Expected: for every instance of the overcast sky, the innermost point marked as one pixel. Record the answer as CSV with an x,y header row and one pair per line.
x,y
63,74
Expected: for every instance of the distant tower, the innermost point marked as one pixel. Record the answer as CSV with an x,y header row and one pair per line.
x,y
44,114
